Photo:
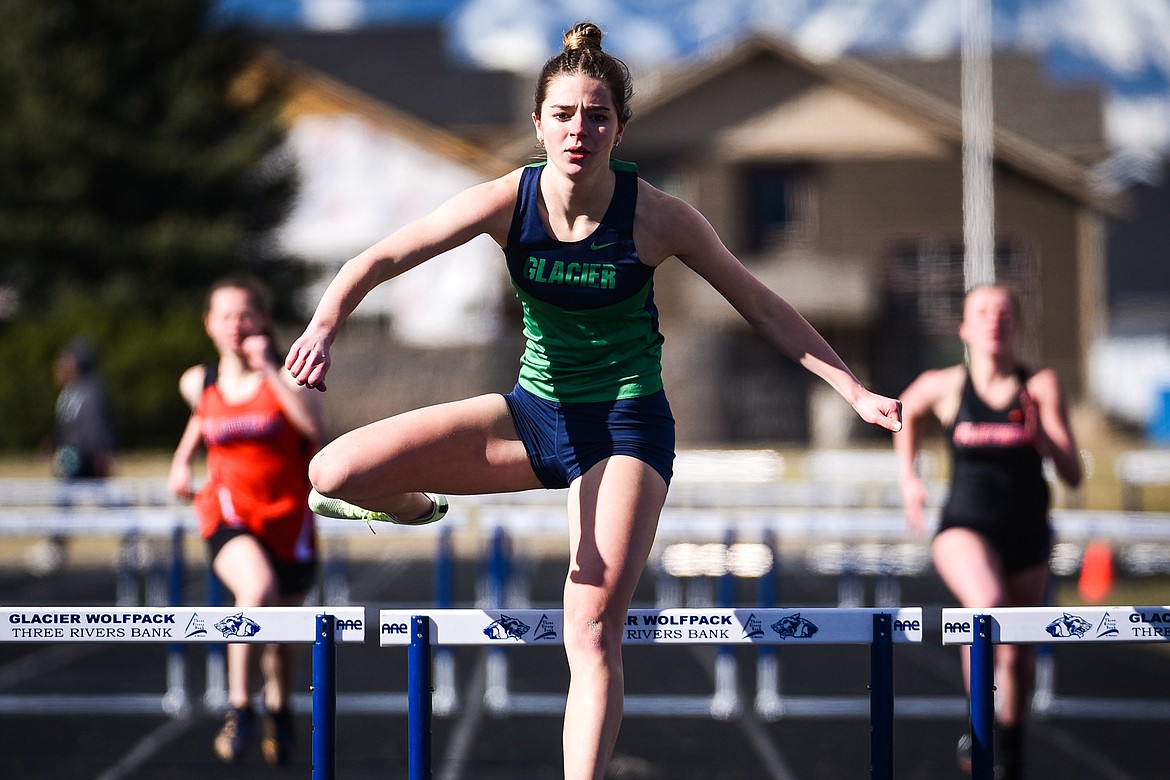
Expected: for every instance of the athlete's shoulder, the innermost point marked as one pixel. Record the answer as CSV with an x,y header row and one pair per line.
x,y
936,391
1044,383
485,207
948,377
668,226
934,384
191,384
503,186
664,211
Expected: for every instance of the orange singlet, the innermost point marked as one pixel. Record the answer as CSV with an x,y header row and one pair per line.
x,y
257,473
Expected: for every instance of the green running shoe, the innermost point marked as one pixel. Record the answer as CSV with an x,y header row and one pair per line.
x,y
343,510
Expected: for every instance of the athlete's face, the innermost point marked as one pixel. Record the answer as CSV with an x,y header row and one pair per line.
x,y
578,123
232,317
989,320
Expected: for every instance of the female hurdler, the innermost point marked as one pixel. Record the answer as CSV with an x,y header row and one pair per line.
x,y
582,236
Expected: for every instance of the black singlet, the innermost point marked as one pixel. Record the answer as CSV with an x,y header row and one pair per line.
x,y
997,480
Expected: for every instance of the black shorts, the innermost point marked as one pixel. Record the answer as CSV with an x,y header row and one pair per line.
x,y
564,440
1021,542
293,578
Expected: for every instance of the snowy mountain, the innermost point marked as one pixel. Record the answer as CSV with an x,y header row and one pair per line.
x,y
1121,44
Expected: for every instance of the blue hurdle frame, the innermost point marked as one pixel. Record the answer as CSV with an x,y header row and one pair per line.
x,y
325,700
419,721
984,628
982,700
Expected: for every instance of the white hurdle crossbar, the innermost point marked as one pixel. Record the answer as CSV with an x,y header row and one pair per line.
x,y
322,627
985,628
422,629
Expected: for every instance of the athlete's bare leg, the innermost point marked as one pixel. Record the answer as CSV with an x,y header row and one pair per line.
x,y
973,572
613,516
244,569
276,664
1015,672
462,447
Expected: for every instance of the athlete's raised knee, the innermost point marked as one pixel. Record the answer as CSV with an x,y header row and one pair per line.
x,y
328,473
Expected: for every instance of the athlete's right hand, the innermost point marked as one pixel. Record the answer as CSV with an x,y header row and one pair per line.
x,y
179,481
308,360
913,500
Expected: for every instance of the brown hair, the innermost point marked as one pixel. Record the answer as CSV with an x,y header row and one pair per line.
x,y
582,54
258,294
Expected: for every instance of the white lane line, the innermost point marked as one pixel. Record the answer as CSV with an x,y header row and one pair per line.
x,y
1081,754
147,748
766,749
41,662
463,734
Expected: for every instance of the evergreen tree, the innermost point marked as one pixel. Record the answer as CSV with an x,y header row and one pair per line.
x,y
135,165
138,162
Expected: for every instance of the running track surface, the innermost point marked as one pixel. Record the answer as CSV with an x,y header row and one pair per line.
x,y
476,745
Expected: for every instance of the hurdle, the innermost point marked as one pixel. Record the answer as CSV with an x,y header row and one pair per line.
x,y
982,629
421,630
697,558
321,627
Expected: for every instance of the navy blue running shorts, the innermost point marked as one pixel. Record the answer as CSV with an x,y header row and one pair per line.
x,y
564,440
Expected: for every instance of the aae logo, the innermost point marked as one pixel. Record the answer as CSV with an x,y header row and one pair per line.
x,y
238,625
794,626
507,628
347,625
1068,625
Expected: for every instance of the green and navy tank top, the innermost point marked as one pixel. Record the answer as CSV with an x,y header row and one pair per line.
x,y
590,324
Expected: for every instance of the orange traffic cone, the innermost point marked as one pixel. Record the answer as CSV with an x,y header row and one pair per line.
x,y
1096,572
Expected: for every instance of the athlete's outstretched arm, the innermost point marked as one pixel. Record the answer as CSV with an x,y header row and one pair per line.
x,y
689,236
484,208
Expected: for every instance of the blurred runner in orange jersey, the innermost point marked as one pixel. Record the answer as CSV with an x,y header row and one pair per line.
x,y
259,429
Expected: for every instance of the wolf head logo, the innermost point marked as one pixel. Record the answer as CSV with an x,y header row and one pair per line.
x,y
506,628
794,626
238,625
1068,625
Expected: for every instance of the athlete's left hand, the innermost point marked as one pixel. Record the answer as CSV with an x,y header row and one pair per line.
x,y
879,410
308,359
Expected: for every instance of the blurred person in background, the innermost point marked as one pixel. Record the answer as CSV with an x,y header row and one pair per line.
x,y
992,547
582,235
83,438
82,441
259,429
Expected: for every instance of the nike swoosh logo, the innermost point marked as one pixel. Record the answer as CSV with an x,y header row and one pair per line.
x,y
596,246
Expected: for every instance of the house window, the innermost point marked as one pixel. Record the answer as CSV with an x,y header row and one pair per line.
x,y
923,305
776,205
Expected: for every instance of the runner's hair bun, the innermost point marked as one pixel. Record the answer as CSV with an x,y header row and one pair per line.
x,y
584,35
